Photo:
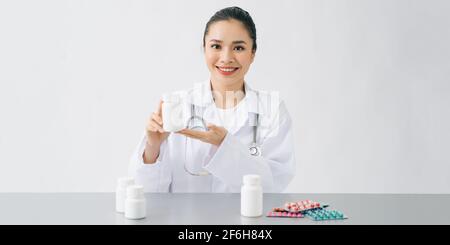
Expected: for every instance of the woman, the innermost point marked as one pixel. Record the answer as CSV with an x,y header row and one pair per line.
x,y
243,136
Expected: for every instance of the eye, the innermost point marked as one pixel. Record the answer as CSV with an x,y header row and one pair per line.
x,y
215,46
239,48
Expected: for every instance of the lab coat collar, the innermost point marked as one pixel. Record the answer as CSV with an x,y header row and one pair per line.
x,y
202,96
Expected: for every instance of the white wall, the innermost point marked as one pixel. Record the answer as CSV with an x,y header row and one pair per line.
x,y
366,82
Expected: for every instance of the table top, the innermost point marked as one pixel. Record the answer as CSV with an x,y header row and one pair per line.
x,y
219,209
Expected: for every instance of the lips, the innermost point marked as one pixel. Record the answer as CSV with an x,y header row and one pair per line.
x,y
227,70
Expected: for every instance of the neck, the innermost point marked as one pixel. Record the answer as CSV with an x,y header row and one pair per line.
x,y
227,96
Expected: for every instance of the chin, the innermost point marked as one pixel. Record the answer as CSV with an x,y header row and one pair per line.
x,y
226,80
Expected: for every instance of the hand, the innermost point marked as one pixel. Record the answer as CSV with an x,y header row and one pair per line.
x,y
155,132
214,135
155,136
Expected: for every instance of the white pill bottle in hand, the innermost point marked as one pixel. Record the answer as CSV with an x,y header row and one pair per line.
x,y
251,196
173,113
121,192
135,205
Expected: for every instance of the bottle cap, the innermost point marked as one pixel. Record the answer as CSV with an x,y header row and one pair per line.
x,y
252,179
125,181
135,191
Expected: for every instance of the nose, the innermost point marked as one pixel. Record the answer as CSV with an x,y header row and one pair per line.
x,y
226,56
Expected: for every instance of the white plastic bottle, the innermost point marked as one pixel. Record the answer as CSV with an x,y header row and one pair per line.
x,y
121,192
251,196
135,205
173,113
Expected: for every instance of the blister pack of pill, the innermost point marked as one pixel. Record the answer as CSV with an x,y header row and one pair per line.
x,y
324,214
300,206
281,214
306,208
294,209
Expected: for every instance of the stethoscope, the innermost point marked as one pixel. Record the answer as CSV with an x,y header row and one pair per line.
x,y
255,149
198,123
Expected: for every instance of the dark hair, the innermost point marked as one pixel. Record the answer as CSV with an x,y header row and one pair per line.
x,y
237,14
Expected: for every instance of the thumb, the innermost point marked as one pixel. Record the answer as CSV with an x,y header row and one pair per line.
x,y
160,107
211,126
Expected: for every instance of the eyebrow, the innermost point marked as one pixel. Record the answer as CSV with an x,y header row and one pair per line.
x,y
234,42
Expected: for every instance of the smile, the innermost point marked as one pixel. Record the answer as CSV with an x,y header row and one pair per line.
x,y
227,70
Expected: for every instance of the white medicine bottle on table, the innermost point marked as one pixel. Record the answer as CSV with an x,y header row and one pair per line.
x,y
173,113
135,205
121,192
251,196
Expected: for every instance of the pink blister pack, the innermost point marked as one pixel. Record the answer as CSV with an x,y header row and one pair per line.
x,y
294,209
285,214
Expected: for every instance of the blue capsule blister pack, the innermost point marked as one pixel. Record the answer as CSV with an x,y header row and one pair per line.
x,y
324,214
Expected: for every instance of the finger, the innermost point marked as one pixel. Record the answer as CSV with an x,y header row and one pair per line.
x,y
180,131
152,129
160,107
217,129
211,126
149,122
200,134
184,131
157,118
156,126
194,133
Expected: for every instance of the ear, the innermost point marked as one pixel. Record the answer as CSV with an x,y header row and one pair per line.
x,y
253,56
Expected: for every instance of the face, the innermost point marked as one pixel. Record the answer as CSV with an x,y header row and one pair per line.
x,y
228,52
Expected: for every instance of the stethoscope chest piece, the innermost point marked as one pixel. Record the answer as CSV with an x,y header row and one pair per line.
x,y
255,150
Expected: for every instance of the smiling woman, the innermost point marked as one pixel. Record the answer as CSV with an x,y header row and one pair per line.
x,y
230,45
228,53
248,131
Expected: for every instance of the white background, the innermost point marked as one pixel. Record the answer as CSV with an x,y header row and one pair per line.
x,y
367,84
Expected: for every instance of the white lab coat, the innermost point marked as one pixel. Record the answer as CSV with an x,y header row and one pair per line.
x,y
230,161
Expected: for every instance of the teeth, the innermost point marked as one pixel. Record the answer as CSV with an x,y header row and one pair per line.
x,y
227,69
